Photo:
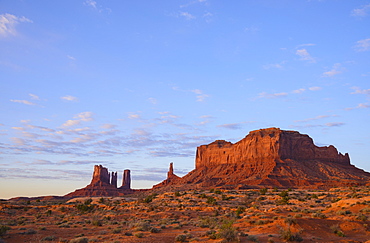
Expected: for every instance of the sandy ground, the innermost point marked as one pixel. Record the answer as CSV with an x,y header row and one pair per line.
x,y
270,215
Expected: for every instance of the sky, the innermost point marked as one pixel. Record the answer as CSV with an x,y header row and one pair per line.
x,y
139,84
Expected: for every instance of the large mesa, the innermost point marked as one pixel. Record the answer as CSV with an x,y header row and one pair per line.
x,y
271,157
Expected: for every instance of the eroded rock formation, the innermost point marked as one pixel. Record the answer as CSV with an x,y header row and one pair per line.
x,y
271,157
171,178
103,183
126,181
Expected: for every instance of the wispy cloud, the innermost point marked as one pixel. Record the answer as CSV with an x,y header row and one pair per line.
x,y
326,125
187,16
361,12
34,97
336,69
315,88
274,65
25,102
69,98
273,95
8,23
360,91
200,95
305,56
363,45
235,126
90,3
315,118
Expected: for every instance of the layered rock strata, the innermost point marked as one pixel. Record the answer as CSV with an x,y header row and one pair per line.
x,y
271,157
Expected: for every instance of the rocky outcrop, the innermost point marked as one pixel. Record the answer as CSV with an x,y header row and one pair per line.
x,y
104,183
126,181
171,178
270,157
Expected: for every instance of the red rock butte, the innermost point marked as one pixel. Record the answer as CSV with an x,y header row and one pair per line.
x,y
269,157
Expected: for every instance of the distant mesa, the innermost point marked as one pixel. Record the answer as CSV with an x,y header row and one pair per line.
x,y
272,158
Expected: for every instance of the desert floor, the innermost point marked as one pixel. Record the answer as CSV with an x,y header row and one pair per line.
x,y
255,215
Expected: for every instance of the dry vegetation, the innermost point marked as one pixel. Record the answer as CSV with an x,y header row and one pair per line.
x,y
255,215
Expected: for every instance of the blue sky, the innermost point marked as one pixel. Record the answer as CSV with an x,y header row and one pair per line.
x,y
139,84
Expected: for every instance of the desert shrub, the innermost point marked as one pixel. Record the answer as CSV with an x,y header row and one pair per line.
x,y
3,230
263,191
127,233
290,221
319,215
211,200
142,226
149,198
227,231
287,235
86,206
155,230
49,238
139,235
79,240
180,238
96,222
177,194
208,222
252,238
336,230
284,198
218,191
239,211
343,212
116,231
361,217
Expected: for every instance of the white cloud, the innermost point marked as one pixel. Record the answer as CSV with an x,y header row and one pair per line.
x,y
69,98
315,88
71,123
26,102
272,96
34,97
363,45
90,3
81,117
200,95
363,105
298,91
187,15
360,91
361,12
134,116
8,23
84,116
304,55
337,69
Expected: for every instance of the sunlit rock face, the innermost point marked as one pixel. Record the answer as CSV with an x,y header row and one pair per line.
x,y
271,157
266,145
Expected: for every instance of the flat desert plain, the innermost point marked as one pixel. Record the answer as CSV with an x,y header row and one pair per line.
x,y
215,215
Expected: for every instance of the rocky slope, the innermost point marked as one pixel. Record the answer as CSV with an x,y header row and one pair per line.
x,y
272,158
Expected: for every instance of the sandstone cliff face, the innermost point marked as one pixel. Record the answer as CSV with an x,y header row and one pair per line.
x,y
271,157
266,145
